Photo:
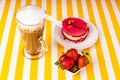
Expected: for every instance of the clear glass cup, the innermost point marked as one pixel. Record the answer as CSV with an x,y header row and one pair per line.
x,y
31,23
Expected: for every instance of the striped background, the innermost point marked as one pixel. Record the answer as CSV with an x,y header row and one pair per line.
x,y
104,55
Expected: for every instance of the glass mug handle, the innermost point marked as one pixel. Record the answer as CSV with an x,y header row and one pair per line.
x,y
44,47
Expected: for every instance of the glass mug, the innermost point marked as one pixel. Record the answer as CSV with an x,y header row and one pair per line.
x,y
31,23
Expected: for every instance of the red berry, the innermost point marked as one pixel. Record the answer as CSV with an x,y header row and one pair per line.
x,y
82,61
67,64
62,58
72,54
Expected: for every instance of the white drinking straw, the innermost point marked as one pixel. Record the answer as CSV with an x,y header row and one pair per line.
x,y
53,20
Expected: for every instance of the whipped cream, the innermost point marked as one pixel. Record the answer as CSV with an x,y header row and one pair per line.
x,y
74,38
29,16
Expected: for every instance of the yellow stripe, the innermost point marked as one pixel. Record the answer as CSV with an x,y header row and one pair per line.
x,y
89,67
99,52
69,8
28,2
39,3
114,20
116,26
47,66
34,63
20,61
79,8
8,52
34,70
76,76
61,73
3,19
101,61
108,40
59,9
118,4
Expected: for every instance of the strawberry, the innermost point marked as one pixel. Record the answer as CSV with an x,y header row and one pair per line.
x,y
72,54
67,64
82,61
72,61
62,58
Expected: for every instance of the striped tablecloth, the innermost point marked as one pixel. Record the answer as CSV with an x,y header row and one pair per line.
x,y
104,55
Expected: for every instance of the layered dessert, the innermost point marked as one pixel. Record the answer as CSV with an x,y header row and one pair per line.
x,y
74,29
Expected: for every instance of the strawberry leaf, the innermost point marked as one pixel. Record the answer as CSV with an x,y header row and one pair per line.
x,y
63,53
57,62
82,52
59,66
75,68
87,53
86,61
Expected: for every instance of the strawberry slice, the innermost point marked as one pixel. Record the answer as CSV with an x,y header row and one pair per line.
x,y
82,61
72,54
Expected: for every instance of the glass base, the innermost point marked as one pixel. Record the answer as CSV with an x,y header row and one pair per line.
x,y
33,56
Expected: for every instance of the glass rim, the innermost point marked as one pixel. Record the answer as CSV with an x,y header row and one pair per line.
x,y
24,7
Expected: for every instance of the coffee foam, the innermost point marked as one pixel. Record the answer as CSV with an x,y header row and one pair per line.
x,y
28,17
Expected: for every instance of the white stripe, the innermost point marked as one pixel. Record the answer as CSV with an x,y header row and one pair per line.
x,y
41,68
27,62
64,9
103,42
54,45
33,2
74,7
112,32
6,32
95,63
83,72
2,4
75,13
64,14
84,7
92,49
26,69
115,8
44,4
41,61
13,61
68,76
